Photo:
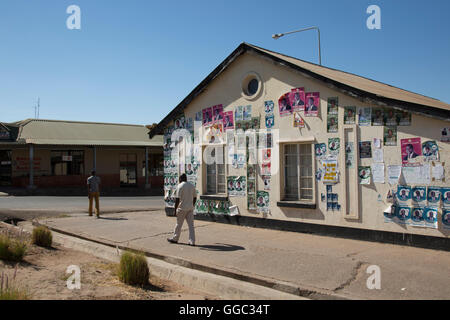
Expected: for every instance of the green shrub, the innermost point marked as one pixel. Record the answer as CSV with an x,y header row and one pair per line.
x,y
42,237
9,291
133,269
11,249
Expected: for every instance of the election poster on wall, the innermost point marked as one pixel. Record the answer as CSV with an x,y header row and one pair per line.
x,y
262,201
411,151
297,99
312,104
284,105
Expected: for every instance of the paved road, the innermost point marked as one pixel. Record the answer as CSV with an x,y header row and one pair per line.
x,y
310,261
32,207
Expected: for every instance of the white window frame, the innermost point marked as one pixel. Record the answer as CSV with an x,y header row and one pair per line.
x,y
299,198
206,175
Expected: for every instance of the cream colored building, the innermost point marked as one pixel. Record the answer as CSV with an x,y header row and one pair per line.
x,y
360,206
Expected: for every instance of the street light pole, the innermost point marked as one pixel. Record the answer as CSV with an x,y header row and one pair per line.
x,y
279,35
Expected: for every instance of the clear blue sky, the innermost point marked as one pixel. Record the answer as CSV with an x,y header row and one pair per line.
x,y
133,61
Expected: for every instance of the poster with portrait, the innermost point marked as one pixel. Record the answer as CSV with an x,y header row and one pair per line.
x,y
333,105
268,106
446,218
403,194
298,120
262,201
364,116
334,144
419,195
251,187
430,151
332,123
320,150
213,133
377,117
179,123
251,172
434,196
255,123
349,115
390,136
202,206
411,151
364,174
430,217
270,120
239,113
445,194
247,112
403,118
199,116
207,115
390,117
228,121
445,134
297,99
417,216
349,154
312,104
284,105
365,149
217,113
251,202
403,214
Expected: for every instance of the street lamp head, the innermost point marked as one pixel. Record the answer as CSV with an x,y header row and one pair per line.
x,y
277,35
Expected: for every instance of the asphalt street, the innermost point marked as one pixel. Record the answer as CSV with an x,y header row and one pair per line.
x,y
27,208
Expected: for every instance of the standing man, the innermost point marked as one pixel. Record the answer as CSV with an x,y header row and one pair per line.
x,y
185,198
93,186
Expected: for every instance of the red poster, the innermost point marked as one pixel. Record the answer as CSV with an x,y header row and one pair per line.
x,y
297,99
285,105
228,122
312,104
217,113
411,151
207,116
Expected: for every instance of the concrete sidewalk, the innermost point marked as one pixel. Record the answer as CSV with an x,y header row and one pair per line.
x,y
316,266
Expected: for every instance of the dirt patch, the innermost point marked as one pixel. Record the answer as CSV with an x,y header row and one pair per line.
x,y
43,274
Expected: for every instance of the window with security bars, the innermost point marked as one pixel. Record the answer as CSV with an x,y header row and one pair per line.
x,y
215,173
298,172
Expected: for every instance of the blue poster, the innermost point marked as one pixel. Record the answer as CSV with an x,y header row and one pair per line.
x,y
419,194
446,196
446,218
268,106
434,196
403,193
403,213
430,215
270,120
417,214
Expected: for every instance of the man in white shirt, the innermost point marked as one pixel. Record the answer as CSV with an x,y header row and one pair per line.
x,y
185,198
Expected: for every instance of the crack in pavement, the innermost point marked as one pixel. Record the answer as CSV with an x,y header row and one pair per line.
x,y
355,272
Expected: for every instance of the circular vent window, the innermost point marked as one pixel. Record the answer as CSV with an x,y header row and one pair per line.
x,y
251,85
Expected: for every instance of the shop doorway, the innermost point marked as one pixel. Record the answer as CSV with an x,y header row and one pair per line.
x,y
128,170
5,168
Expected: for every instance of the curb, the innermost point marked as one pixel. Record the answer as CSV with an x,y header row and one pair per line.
x,y
281,287
212,284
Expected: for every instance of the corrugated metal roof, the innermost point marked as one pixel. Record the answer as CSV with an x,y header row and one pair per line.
x,y
361,83
361,88
56,132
